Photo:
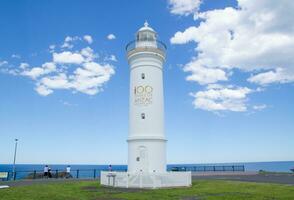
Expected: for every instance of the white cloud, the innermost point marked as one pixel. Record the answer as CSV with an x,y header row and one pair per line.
x,y
68,42
256,36
222,99
111,58
76,70
184,7
2,63
87,79
52,46
42,90
88,38
38,71
259,107
111,37
253,36
68,57
90,78
278,75
15,56
88,54
23,65
204,75
67,103
59,81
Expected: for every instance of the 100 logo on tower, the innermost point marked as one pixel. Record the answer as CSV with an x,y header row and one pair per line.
x,y
143,95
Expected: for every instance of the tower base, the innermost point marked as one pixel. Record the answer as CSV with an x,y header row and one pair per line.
x,y
146,180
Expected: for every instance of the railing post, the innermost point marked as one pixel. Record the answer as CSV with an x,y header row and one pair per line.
x,y
7,176
34,176
233,168
78,173
56,173
214,168
224,168
94,173
14,176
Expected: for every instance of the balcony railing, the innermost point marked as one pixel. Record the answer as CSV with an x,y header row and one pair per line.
x,y
158,45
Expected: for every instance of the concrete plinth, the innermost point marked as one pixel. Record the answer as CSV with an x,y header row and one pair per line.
x,y
146,180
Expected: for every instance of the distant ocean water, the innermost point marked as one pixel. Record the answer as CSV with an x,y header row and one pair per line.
x,y
87,171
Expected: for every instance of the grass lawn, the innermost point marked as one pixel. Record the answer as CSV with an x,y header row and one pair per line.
x,y
91,190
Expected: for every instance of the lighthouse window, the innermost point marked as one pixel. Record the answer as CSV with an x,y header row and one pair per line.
x,y
151,37
143,115
143,76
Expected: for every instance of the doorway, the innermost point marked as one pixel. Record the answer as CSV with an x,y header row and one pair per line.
x,y
143,159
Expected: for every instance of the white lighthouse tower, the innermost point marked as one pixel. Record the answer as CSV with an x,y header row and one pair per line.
x,y
146,140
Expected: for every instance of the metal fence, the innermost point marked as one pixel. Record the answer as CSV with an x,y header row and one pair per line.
x,y
209,168
95,173
39,174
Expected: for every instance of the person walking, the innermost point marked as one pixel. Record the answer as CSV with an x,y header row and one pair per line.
x,y
46,169
110,168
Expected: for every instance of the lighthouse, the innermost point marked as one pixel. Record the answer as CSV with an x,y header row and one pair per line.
x,y
146,139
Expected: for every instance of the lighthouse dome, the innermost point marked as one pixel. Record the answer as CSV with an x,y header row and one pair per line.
x,y
146,27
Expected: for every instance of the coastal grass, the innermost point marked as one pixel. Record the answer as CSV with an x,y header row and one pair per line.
x,y
201,190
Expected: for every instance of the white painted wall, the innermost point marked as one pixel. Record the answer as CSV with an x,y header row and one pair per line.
x,y
146,133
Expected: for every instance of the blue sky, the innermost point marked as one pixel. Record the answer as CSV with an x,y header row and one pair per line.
x,y
226,100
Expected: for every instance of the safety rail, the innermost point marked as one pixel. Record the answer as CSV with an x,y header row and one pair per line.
x,y
55,173
210,168
95,173
133,45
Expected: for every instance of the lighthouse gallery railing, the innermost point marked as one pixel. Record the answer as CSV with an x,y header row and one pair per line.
x,y
159,45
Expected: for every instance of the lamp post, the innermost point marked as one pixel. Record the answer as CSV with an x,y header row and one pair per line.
x,y
15,150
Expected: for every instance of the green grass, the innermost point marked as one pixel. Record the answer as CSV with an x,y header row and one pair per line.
x,y
91,190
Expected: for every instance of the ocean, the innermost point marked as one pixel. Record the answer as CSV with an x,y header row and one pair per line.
x,y
90,171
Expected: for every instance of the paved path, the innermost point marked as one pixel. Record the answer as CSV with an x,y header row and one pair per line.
x,y
41,181
268,178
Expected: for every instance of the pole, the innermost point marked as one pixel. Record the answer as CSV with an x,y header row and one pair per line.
x,y
15,150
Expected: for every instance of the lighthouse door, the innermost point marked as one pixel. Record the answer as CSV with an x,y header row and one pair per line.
x,y
143,163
